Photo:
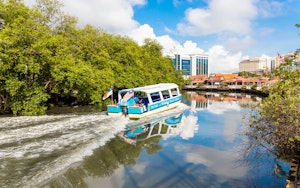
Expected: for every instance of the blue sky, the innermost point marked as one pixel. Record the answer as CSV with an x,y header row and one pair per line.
x,y
227,30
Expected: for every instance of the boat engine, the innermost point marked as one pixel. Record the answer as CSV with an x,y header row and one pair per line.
x,y
124,110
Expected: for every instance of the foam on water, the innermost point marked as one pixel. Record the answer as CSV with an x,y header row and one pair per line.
x,y
34,149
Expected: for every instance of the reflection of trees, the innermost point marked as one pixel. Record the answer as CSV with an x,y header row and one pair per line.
x,y
256,154
105,160
109,157
151,145
71,178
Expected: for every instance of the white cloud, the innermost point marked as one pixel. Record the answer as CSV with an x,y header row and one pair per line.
x,y
140,33
168,30
220,16
222,61
114,16
236,44
190,47
269,8
170,46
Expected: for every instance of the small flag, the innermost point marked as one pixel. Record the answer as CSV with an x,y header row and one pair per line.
x,y
107,94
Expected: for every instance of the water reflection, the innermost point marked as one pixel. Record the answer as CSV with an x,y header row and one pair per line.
x,y
207,100
164,126
197,145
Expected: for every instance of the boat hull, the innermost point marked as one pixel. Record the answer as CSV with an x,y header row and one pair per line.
x,y
137,112
155,111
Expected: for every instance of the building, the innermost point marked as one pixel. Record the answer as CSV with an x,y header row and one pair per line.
x,y
291,56
255,65
192,64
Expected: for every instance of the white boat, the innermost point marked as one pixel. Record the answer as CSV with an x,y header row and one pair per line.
x,y
143,101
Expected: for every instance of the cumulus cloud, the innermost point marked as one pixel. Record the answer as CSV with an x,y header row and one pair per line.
x,y
140,33
222,61
220,16
170,45
114,16
236,44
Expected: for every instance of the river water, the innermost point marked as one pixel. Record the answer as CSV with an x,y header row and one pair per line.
x,y
206,148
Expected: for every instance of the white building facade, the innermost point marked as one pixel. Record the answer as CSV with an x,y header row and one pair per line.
x,y
192,64
255,65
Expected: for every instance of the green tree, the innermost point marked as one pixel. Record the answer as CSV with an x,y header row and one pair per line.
x,y
22,52
45,58
277,120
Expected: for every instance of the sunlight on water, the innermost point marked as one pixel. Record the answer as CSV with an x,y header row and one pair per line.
x,y
34,149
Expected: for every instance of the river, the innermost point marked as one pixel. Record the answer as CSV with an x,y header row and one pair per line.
x,y
84,149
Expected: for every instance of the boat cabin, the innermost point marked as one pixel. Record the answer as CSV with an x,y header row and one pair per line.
x,y
143,101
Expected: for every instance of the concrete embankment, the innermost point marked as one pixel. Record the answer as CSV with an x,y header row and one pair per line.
x,y
294,174
249,91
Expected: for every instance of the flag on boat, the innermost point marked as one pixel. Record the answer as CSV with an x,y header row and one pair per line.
x,y
107,94
128,95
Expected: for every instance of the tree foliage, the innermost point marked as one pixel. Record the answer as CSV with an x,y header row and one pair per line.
x,y
45,58
276,122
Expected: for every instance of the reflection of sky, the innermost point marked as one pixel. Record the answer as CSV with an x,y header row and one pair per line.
x,y
203,152
189,126
222,107
218,125
220,163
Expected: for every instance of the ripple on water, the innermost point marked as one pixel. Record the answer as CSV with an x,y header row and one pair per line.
x,y
33,149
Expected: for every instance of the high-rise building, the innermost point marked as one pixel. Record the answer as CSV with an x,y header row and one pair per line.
x,y
192,64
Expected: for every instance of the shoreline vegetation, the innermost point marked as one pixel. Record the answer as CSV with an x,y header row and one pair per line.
x,y
47,60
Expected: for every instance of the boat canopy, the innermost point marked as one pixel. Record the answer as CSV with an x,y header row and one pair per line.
x,y
151,88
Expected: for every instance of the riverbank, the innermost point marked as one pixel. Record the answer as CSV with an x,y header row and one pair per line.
x,y
292,181
294,174
232,90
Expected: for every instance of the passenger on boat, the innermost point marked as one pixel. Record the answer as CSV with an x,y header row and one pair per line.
x,y
136,99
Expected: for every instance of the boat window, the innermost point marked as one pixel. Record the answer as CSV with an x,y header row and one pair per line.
x,y
174,92
140,95
155,97
166,94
